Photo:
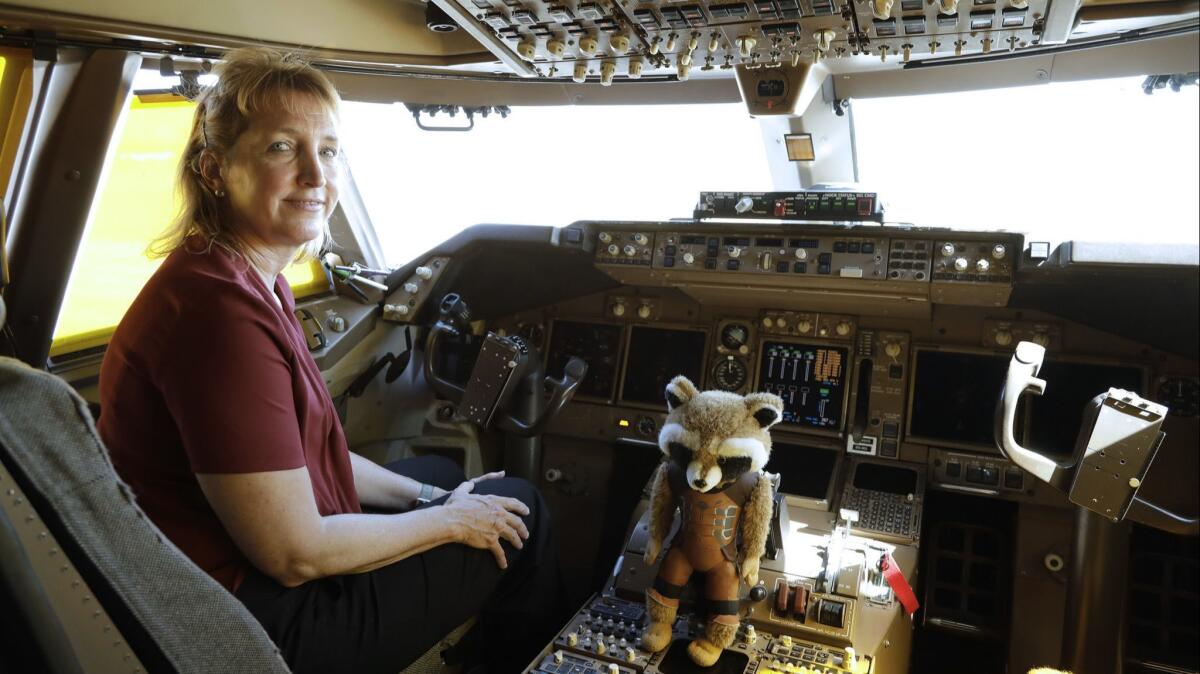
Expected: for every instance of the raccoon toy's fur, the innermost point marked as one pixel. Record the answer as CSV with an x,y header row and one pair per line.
x,y
716,444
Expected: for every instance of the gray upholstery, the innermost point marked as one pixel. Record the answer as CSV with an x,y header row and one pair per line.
x,y
47,432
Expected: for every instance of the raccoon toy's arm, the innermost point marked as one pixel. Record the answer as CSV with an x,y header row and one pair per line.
x,y
756,523
662,512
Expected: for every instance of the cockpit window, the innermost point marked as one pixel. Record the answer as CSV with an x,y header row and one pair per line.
x,y
544,166
1097,160
134,203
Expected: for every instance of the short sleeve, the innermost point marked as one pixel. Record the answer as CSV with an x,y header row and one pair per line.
x,y
227,382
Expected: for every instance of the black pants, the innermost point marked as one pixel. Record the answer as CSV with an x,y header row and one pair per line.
x,y
382,620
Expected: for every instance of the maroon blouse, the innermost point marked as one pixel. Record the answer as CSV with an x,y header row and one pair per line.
x,y
206,374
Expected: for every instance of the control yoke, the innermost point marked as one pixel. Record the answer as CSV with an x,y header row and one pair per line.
x,y
507,384
1117,443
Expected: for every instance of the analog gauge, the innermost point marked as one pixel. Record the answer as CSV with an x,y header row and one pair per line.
x,y
729,374
734,336
1181,395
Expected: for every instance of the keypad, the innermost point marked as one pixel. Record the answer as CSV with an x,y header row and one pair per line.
x,y
880,511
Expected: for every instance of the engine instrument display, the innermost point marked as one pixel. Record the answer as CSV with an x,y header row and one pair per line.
x,y
656,356
598,344
1056,415
811,380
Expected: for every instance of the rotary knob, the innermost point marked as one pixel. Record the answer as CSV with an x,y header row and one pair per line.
x,y
614,249
948,6
640,239
785,641
613,668
643,311
961,264
882,9
683,70
734,251
619,44
604,237
630,249
558,657
766,261
751,635
781,323
892,349
635,67
555,48
411,288
588,45
688,258
618,310
767,322
1041,339
607,70
982,266
579,74
999,251
801,254
600,648
630,655
423,273
842,328
572,639
947,249
746,45
804,326
1003,338
527,49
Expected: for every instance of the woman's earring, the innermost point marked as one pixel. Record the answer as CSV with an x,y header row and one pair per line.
x,y
220,194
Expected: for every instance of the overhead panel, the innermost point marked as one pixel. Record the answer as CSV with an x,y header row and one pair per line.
x,y
611,41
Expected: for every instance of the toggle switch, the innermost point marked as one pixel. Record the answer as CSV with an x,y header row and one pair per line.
x,y
607,70
933,46
671,42
746,45
714,41
906,54
423,273
824,38
683,70
580,72
635,68
987,45
654,45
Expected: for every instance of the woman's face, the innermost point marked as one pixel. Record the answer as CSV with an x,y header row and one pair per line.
x,y
281,176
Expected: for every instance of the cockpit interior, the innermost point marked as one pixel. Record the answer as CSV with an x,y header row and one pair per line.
x,y
989,450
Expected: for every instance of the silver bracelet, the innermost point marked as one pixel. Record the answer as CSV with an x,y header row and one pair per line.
x,y
426,494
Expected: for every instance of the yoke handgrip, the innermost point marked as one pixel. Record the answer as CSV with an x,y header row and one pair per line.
x,y
564,390
1022,377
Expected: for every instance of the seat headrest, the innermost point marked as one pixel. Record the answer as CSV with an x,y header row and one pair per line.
x,y
2,311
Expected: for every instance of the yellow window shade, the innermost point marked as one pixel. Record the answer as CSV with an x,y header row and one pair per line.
x,y
135,202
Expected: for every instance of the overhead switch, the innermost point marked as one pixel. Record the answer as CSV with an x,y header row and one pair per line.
x,y
588,45
948,6
580,72
746,45
882,9
824,38
555,48
526,49
619,43
635,68
607,70
683,70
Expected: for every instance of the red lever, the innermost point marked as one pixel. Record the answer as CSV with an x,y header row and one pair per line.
x,y
895,579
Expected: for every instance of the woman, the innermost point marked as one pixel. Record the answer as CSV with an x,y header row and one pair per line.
x,y
217,416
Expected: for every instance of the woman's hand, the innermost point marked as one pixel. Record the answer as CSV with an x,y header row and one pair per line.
x,y
438,492
481,520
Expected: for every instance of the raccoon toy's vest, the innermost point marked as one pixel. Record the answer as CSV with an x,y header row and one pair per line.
x,y
711,519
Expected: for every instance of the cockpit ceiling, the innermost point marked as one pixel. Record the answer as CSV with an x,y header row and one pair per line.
x,y
601,41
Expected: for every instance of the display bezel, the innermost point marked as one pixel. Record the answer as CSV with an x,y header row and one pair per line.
x,y
835,480
622,340
1024,422
848,368
627,350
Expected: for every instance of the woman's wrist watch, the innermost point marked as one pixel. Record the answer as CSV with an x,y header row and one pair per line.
x,y
426,494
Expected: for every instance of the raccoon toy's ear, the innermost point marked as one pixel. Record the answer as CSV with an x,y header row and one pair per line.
x,y
766,408
679,391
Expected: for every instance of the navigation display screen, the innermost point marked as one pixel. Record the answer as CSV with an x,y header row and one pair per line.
x,y
804,471
887,479
954,396
810,379
656,356
597,344
1054,417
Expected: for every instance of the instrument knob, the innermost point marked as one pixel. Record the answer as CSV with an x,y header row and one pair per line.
x,y
613,668
607,70
767,322
948,6
746,45
640,239
671,42
987,45
555,48
643,311
688,258
614,249
631,249
882,9
683,70
744,204
1003,338
766,261
411,288
601,649
423,273
751,634
1041,339
999,251
527,49
982,266
558,657
619,43
604,237
824,38
842,328
961,264
786,641
572,639
630,655
618,310
804,326
781,322
714,41
947,249
579,75
758,593
588,45
634,68
801,254
734,251
892,349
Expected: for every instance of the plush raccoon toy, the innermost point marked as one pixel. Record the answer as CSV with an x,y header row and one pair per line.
x,y
716,444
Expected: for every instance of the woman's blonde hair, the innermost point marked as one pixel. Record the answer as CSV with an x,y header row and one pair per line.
x,y
250,80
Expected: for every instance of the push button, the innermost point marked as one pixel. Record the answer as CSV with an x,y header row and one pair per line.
x,y
953,469
891,430
888,449
1014,478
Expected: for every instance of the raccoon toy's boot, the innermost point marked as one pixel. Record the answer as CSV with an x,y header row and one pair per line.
x,y
718,635
662,618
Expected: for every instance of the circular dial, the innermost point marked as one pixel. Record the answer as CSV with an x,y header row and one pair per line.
x,y
1181,395
729,374
734,336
